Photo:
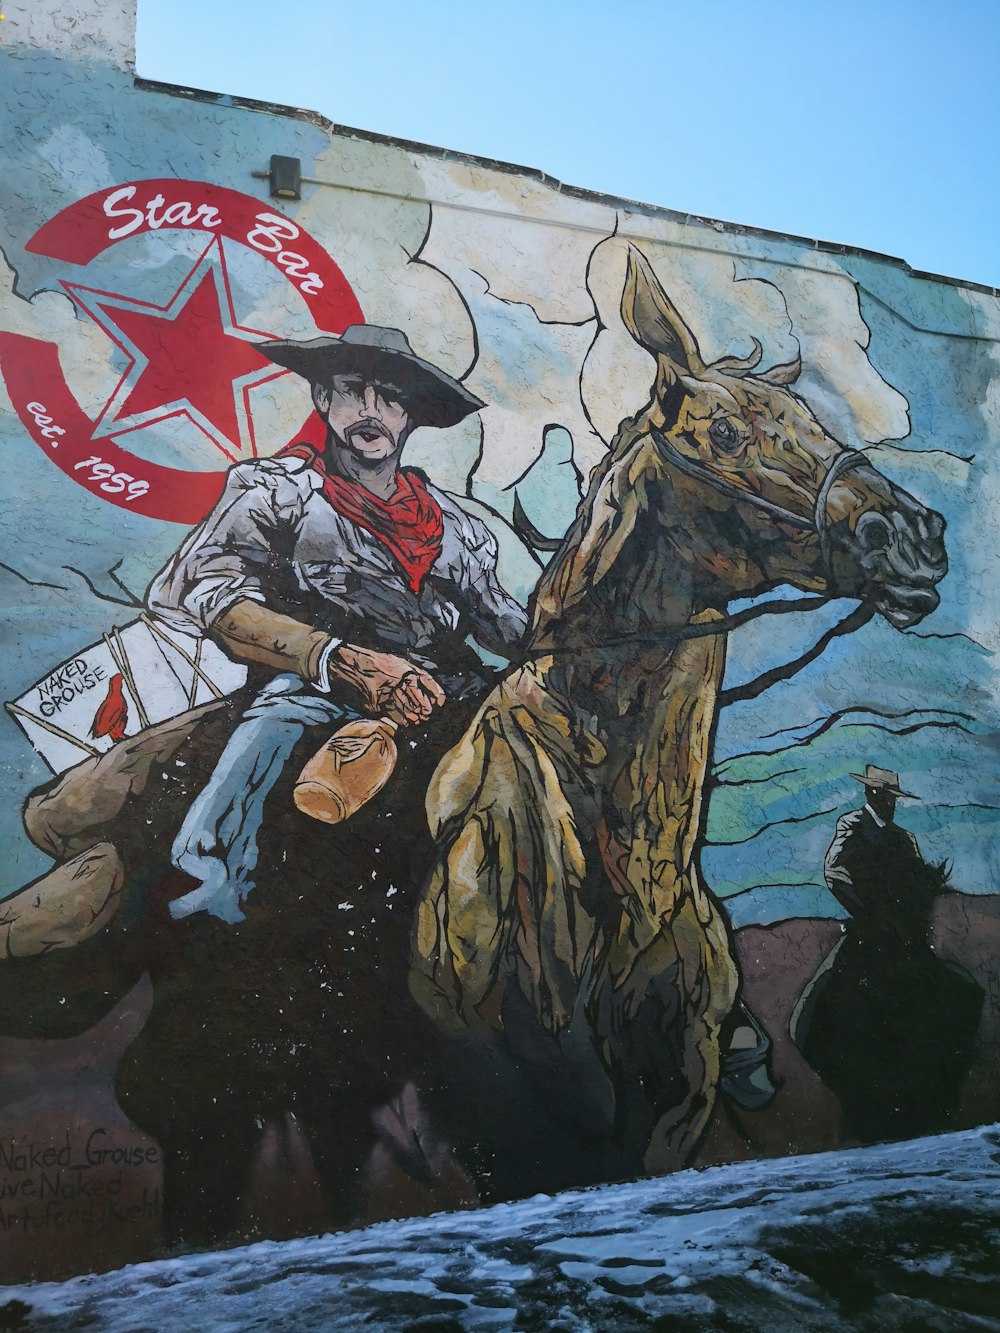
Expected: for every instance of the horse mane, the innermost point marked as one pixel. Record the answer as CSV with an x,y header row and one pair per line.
x,y
936,876
605,518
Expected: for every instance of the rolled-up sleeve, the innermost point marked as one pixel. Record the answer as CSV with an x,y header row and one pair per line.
x,y
499,622
225,558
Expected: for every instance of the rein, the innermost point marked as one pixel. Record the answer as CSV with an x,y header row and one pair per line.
x,y
703,630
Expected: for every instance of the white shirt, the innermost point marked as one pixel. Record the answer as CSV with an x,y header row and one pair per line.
x,y
274,528
877,818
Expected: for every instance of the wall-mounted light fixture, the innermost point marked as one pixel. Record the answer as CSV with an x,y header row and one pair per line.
x,y
286,177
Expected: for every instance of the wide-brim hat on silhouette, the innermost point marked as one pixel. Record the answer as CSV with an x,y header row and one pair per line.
x,y
380,356
885,779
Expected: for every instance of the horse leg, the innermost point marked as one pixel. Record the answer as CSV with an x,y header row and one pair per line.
x,y
526,1110
206,1171
208,1135
707,984
659,1029
341,1136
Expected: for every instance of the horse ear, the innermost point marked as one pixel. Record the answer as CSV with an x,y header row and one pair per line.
x,y
787,373
654,321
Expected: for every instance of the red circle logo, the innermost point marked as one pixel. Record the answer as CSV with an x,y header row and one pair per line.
x,y
187,361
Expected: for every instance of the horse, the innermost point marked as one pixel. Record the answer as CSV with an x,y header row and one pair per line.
x,y
566,912
572,970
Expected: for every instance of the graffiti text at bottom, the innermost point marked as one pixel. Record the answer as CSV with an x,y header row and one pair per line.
x,y
48,1186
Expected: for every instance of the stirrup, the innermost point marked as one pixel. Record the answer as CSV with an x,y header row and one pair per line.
x,y
745,1077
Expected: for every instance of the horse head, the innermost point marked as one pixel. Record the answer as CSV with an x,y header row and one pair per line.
x,y
726,485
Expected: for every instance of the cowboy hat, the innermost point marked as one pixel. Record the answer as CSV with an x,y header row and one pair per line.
x,y
380,356
885,779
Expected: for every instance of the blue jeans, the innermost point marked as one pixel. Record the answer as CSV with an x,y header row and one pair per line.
x,y
217,843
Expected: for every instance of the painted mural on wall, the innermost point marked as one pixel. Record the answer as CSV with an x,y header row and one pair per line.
x,y
499,699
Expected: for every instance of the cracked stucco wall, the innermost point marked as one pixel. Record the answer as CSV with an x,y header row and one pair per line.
x,y
103,32
511,282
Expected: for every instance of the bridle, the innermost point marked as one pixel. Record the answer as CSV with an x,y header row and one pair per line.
x,y
818,523
845,461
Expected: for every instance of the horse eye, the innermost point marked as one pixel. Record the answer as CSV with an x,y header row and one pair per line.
x,y
724,435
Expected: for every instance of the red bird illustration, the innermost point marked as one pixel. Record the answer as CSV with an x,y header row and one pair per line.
x,y
111,718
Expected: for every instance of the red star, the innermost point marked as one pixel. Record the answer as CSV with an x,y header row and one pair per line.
x,y
189,357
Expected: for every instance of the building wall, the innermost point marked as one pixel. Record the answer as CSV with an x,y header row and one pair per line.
x,y
579,910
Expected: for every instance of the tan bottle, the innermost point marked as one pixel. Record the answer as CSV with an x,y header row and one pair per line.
x,y
352,767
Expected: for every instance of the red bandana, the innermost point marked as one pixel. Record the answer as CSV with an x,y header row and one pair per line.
x,y
409,523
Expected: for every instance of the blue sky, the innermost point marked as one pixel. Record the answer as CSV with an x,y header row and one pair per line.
x,y
871,124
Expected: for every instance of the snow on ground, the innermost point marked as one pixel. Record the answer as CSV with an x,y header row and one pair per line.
x,y
903,1236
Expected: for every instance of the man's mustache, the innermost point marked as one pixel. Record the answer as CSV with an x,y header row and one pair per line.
x,y
369,426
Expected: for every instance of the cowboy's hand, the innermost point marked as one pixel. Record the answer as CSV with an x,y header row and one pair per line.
x,y
385,685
